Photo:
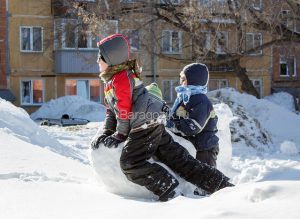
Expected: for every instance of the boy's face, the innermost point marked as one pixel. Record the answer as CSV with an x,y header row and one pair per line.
x,y
183,81
102,65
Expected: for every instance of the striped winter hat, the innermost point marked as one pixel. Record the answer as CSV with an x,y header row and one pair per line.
x,y
154,90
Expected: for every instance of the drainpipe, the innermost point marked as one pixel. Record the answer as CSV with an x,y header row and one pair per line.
x,y
153,48
7,67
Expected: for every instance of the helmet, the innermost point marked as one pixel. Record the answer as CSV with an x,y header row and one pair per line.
x,y
114,49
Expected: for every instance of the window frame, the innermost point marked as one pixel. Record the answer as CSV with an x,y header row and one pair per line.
x,y
217,42
287,66
76,32
294,22
207,4
127,1
172,2
260,52
31,39
60,25
31,92
219,82
89,87
126,31
259,8
261,88
207,35
170,41
172,89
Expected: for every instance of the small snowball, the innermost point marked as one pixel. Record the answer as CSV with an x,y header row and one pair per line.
x,y
289,148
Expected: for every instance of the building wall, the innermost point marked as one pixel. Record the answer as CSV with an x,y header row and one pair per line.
x,y
31,65
289,83
3,83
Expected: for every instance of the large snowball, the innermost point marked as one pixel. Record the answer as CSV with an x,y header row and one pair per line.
x,y
105,161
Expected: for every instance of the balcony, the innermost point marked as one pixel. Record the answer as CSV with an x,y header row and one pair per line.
x,y
76,61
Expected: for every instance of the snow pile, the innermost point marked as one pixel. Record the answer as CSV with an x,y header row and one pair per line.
x,y
38,183
28,163
106,161
74,106
16,122
282,99
271,124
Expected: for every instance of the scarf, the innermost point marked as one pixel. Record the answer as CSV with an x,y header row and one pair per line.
x,y
130,65
184,93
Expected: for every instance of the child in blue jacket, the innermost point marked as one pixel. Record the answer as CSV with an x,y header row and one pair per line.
x,y
193,116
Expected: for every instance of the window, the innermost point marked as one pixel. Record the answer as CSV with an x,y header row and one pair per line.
x,y
134,38
221,42
169,93
287,66
254,40
107,28
70,35
257,83
174,2
215,84
127,1
287,19
86,88
75,36
205,3
32,92
256,4
205,40
171,41
31,39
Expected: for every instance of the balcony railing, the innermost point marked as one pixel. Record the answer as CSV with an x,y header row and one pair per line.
x,y
76,61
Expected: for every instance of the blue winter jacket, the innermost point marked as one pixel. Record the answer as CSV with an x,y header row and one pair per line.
x,y
197,122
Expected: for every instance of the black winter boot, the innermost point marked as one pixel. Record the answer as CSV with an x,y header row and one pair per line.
x,y
171,193
225,184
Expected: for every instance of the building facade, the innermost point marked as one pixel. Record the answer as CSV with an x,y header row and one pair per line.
x,y
31,59
286,58
5,92
53,53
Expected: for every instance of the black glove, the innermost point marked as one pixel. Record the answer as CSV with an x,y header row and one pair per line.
x,y
173,123
170,124
95,144
114,140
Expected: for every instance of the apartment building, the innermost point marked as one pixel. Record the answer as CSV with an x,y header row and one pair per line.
x,y
53,54
5,92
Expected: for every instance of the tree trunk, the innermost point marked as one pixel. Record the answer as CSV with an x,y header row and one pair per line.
x,y
247,85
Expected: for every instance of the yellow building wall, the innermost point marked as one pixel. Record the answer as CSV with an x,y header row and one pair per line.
x,y
31,65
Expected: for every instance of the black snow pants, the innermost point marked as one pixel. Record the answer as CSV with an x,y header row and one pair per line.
x,y
208,156
157,142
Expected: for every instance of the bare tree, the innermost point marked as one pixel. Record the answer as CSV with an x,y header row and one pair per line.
x,y
275,18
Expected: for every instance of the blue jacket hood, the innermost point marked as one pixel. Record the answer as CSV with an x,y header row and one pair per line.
x,y
196,74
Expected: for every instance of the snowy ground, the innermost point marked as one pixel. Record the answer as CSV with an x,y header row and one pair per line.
x,y
45,172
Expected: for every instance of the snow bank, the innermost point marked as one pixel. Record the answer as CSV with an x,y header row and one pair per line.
x,y
16,122
74,106
282,99
272,124
105,161
26,162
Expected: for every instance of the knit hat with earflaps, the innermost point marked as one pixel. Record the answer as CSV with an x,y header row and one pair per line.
x,y
196,74
154,90
114,49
